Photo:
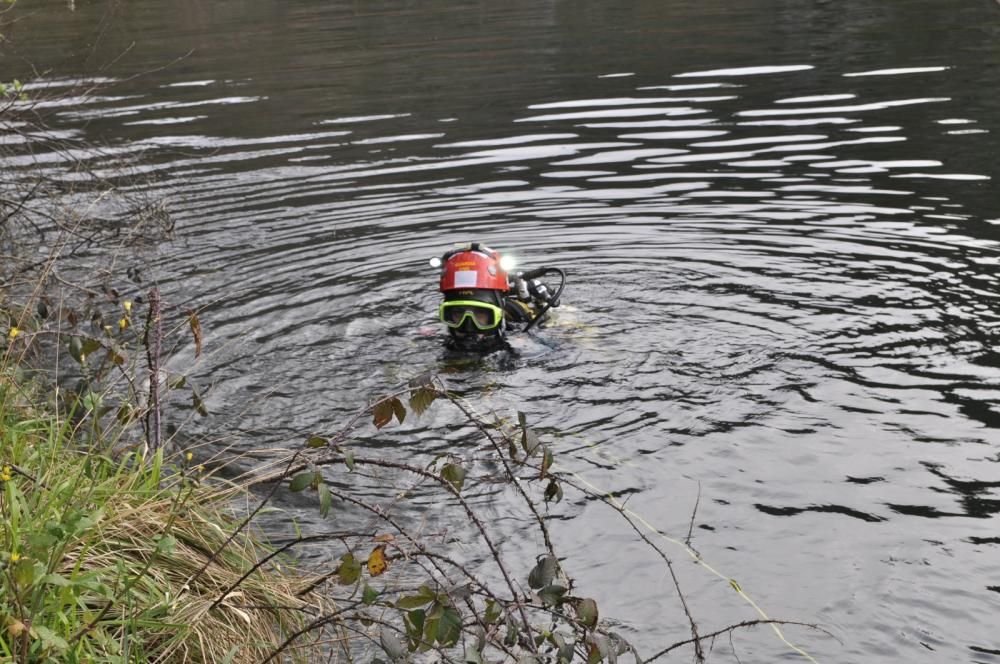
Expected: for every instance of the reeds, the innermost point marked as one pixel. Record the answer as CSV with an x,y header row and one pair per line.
x,y
106,559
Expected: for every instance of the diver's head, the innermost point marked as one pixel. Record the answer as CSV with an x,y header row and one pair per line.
x,y
474,284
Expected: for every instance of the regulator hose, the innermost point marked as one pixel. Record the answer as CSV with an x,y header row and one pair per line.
x,y
554,300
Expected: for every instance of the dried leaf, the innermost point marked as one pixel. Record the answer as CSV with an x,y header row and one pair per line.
x,y
529,441
546,462
316,441
377,563
382,413
195,332
398,409
196,401
16,628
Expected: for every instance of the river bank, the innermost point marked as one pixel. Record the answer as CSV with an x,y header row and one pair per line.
x,y
109,557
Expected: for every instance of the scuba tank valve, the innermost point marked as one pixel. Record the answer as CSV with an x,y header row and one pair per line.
x,y
539,291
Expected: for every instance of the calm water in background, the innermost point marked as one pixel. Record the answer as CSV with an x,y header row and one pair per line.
x,y
779,222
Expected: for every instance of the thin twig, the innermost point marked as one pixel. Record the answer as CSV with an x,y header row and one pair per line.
x,y
697,500
730,629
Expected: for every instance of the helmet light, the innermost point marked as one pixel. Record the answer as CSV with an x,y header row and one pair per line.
x,y
435,262
507,263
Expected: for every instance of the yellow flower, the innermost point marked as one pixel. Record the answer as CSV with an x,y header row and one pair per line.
x,y
123,324
188,456
6,474
15,556
128,306
13,333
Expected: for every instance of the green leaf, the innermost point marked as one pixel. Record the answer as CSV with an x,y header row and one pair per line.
x,y
89,345
92,401
301,481
55,580
413,602
552,595
24,572
413,623
350,569
382,413
492,613
472,656
398,409
510,637
50,639
325,500
454,475
316,441
228,659
586,611
391,645
432,626
369,595
543,573
41,541
422,398
165,544
451,627
349,459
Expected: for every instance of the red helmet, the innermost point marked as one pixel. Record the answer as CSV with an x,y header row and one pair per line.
x,y
473,267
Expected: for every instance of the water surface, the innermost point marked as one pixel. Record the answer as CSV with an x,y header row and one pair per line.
x,y
779,223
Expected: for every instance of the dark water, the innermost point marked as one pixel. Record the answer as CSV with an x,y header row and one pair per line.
x,y
778,217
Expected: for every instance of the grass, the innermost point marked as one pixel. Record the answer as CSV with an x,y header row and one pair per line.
x,y
126,559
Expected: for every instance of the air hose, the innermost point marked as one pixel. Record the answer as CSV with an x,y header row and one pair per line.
x,y
552,301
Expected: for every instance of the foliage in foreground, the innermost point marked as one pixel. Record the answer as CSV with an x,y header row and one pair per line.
x,y
127,560
498,609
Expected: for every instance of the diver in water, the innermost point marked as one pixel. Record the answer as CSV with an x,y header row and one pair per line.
x,y
483,300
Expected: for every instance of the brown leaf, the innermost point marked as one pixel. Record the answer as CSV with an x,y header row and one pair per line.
x,y
382,413
196,331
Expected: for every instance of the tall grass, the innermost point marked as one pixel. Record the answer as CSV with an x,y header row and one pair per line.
x,y
106,559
